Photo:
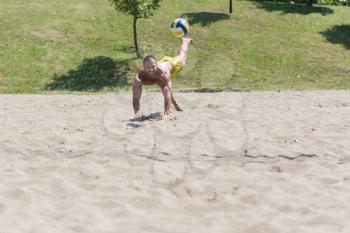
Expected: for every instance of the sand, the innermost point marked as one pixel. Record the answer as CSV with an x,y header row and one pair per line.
x,y
259,162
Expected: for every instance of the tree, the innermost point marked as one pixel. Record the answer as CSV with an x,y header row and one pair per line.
x,y
230,7
138,9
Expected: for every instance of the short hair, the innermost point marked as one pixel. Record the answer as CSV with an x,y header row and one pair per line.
x,y
148,58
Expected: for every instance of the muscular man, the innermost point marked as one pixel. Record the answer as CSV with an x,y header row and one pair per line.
x,y
160,73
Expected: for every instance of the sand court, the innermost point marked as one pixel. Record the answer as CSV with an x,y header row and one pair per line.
x,y
231,162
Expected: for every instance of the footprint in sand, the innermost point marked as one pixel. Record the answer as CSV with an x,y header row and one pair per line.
x,y
187,121
227,136
2,208
261,228
139,147
168,167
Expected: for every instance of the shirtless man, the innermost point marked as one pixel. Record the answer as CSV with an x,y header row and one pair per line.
x,y
160,73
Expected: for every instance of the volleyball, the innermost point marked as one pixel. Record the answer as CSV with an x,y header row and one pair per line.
x,y
180,27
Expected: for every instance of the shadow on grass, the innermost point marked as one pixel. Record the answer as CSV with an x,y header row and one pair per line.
x,y
287,8
93,74
339,34
204,18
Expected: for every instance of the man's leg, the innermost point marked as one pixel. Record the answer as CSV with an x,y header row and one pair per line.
x,y
183,59
184,50
137,91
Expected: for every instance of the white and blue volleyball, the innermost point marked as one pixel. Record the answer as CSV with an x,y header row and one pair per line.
x,y
180,27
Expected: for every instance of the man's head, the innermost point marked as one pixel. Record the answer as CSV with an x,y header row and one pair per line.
x,y
150,63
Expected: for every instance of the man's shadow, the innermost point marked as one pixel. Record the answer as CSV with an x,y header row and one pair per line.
x,y
136,122
93,74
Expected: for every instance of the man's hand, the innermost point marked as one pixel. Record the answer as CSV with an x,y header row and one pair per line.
x,y
167,117
139,114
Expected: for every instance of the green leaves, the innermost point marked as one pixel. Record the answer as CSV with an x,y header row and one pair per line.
x,y
137,8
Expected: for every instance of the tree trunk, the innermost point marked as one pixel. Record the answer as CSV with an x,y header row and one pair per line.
x,y
310,2
135,38
230,7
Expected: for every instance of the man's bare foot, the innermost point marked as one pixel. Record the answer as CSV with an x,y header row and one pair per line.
x,y
188,40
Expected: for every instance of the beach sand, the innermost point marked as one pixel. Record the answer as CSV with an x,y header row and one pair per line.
x,y
253,162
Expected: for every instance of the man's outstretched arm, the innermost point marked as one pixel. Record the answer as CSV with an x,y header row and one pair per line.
x,y
167,101
173,101
136,95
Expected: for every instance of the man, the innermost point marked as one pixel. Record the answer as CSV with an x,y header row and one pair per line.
x,y
161,74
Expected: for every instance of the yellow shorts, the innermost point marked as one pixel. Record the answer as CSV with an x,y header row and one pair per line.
x,y
176,63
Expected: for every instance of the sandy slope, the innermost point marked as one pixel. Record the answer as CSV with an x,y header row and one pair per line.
x,y
232,162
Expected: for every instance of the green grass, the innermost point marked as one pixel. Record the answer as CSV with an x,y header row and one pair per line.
x,y
87,46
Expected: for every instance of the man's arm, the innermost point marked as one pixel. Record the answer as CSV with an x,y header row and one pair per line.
x,y
136,91
176,105
167,99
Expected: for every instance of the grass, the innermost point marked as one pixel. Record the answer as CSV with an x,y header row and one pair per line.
x,y
86,45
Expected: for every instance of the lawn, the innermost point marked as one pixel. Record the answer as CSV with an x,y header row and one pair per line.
x,y
72,45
